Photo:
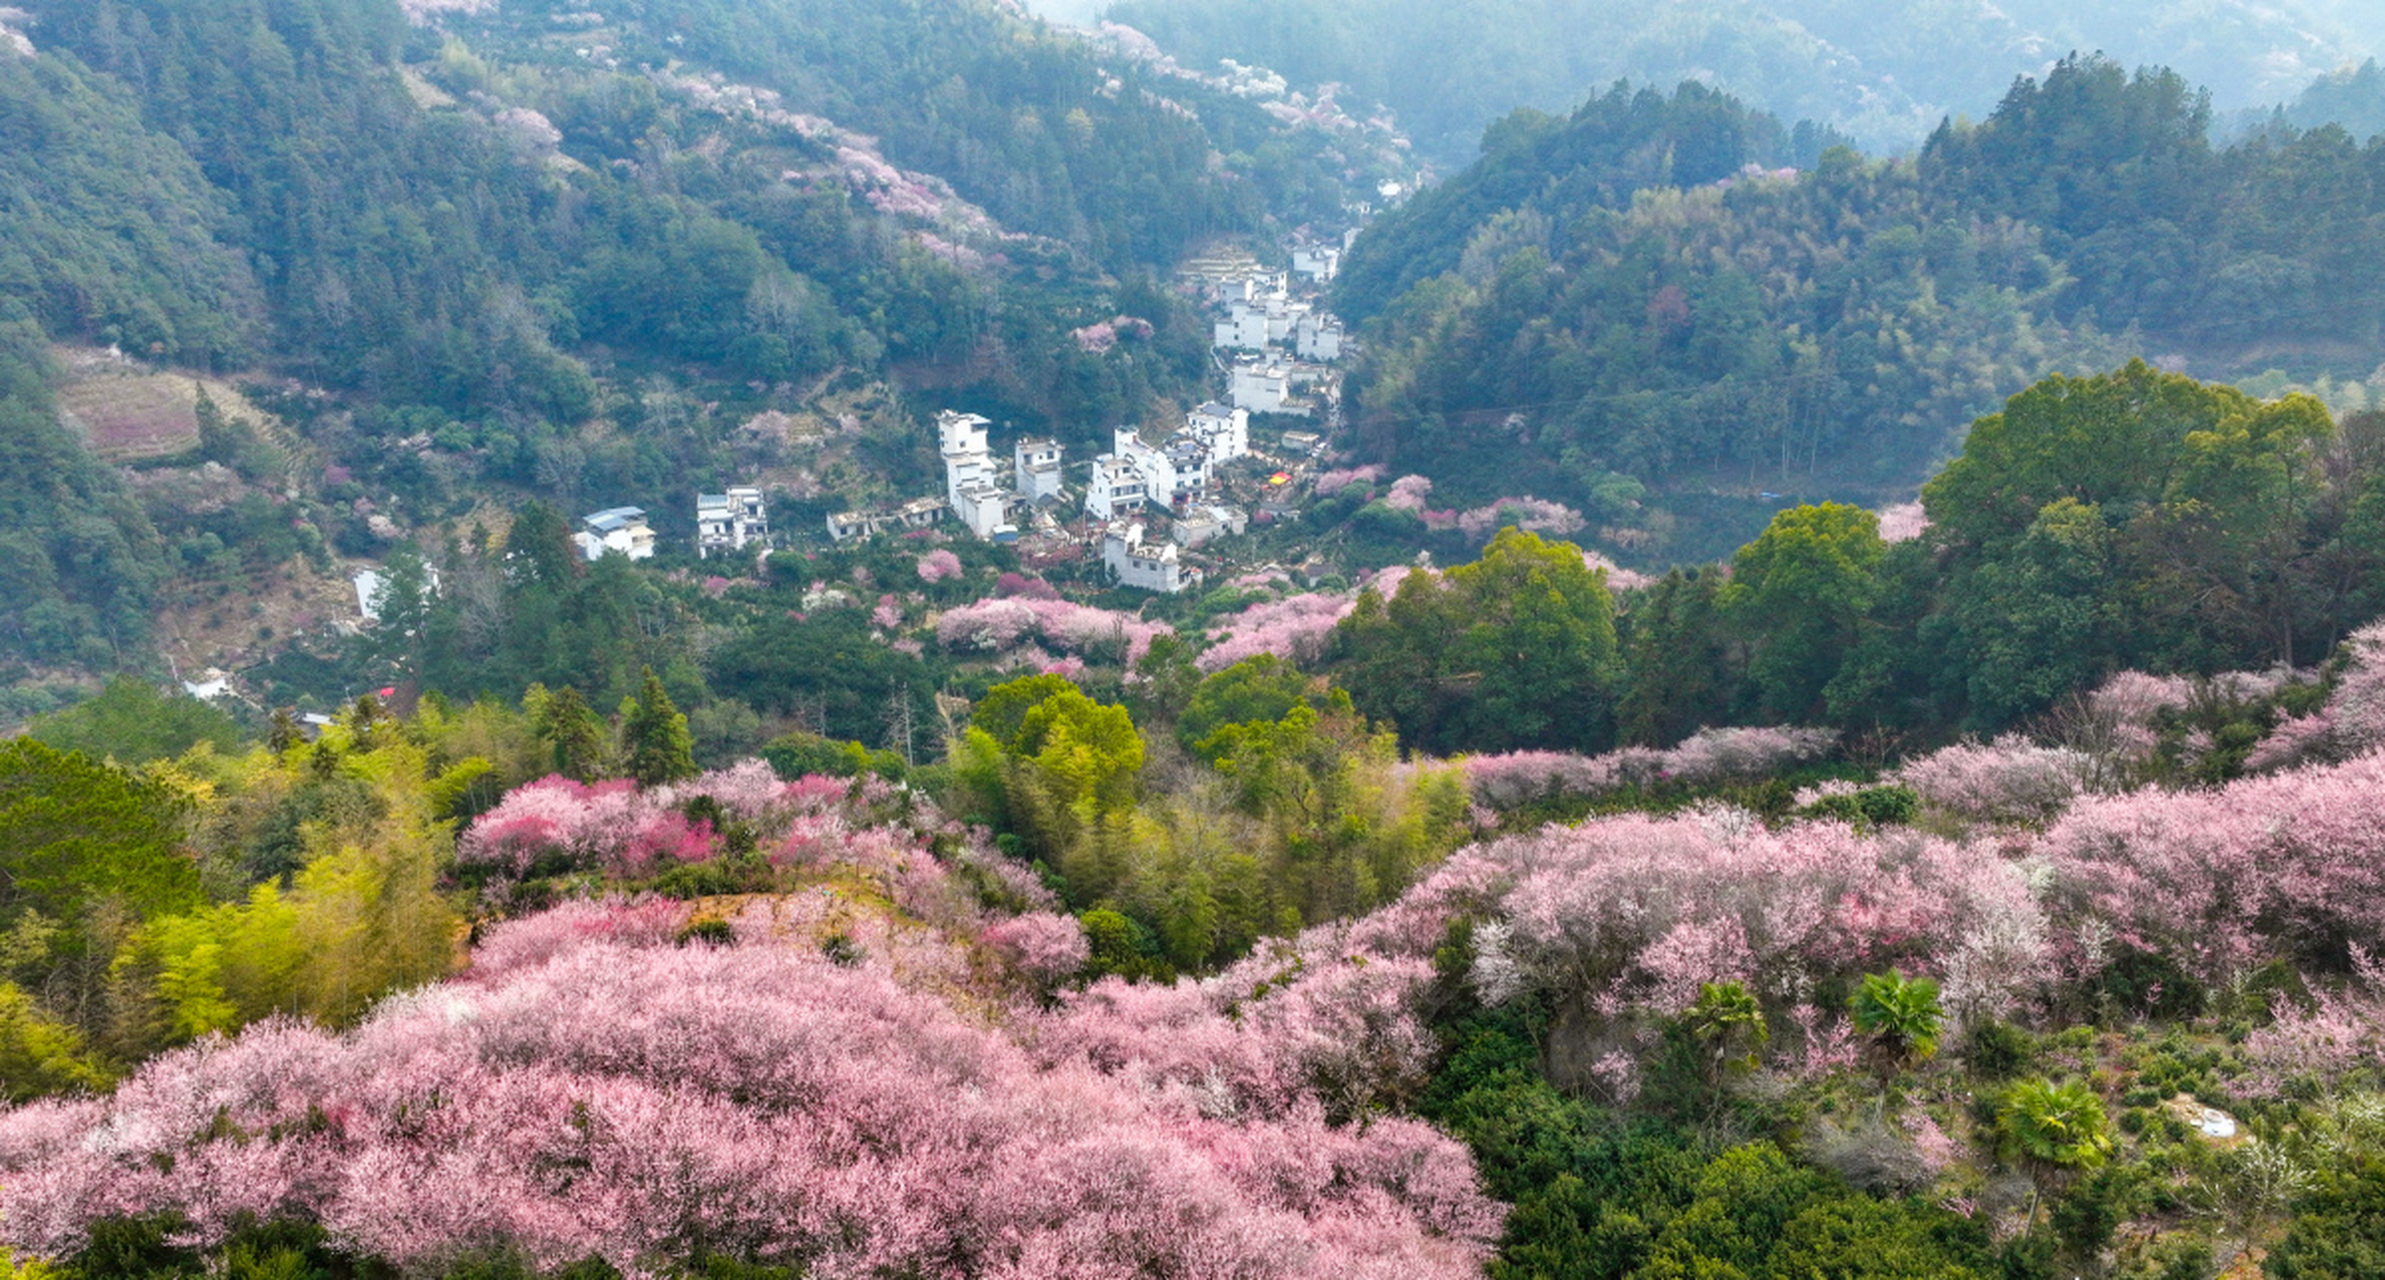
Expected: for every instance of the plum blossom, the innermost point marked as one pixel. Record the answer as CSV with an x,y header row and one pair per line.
x,y
2010,780
1332,482
938,565
999,625
1408,493
1295,628
803,1108
1045,946
1903,522
1712,755
1533,515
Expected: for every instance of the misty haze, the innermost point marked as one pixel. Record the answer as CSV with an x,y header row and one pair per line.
x,y
953,639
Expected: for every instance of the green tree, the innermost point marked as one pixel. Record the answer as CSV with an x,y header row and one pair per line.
x,y
1517,649
1261,689
132,723
2053,1131
656,746
1900,1016
2339,1231
74,834
575,737
39,1055
1800,592
1541,637
1727,1026
1680,675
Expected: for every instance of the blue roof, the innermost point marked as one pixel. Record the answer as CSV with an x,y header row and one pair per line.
x,y
612,518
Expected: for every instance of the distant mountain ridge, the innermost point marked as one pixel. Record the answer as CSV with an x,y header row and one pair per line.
x,y
1633,312
570,249
1885,73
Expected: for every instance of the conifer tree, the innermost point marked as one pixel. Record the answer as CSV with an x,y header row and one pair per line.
x,y
577,737
655,737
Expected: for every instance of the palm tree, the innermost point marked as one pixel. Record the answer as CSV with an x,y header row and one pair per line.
x,y
1901,1017
1727,1025
2053,1130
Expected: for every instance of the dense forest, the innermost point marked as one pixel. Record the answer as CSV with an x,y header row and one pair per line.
x,y
1884,73
575,252
1520,918
1630,296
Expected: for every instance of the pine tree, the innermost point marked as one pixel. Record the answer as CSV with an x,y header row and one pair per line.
x,y
655,738
571,728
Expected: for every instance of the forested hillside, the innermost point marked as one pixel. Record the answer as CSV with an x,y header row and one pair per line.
x,y
1885,73
1631,297
1148,950
574,251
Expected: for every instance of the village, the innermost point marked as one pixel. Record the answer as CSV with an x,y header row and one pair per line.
x,y
1142,509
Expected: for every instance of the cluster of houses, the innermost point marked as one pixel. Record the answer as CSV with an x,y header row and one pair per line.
x,y
1177,477
1280,340
1277,345
725,523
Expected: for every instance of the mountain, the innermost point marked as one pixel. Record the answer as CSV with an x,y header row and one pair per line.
x,y
1634,296
431,258
1885,73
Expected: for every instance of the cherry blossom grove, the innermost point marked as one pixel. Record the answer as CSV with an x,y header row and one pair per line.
x,y
1000,624
861,1078
759,1100
1712,755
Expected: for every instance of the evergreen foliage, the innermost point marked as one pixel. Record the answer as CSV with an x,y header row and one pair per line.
x,y
1607,295
656,747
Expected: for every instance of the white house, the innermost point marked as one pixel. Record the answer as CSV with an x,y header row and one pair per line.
x,y
1036,466
1243,328
1157,466
1260,386
728,521
369,586
211,684
1225,431
970,486
1188,466
1117,489
372,587
1319,262
1318,337
1283,318
1147,567
984,507
961,439
616,529
1199,524
867,522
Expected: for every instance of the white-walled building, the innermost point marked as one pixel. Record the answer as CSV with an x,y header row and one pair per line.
x,y
1157,466
729,521
1147,566
1199,524
1319,262
1283,319
1036,465
918,513
1243,328
971,488
961,439
1117,489
984,507
1225,431
1260,386
615,529
1318,337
